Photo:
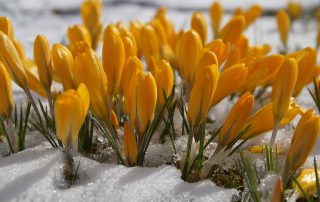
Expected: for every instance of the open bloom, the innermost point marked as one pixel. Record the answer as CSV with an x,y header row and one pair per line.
x,y
6,101
130,145
198,23
216,14
201,94
42,58
236,119
283,21
232,31
6,27
70,111
164,80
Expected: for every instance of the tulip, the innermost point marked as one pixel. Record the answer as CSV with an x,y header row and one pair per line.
x,y
201,94
143,99
216,14
232,31
199,24
303,140
283,21
6,27
130,145
282,90
70,111
11,60
129,44
164,80
63,63
307,181
113,58
229,82
294,9
19,48
6,101
188,53
219,48
277,191
42,58
235,120
263,121
252,14
88,70
79,33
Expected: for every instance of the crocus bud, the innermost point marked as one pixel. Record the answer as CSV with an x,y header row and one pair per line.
x,y
229,82
42,58
303,140
206,58
88,70
308,181
149,40
11,60
113,58
216,14
283,87
294,9
129,43
220,49
277,191
130,145
201,94
252,14
6,101
6,27
238,11
236,119
78,33
159,29
143,99
232,31
283,21
199,24
70,110
63,64
164,80
135,29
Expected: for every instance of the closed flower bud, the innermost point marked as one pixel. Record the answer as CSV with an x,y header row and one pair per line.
x,y
159,29
283,21
199,24
150,44
113,57
229,82
70,110
42,58
6,101
236,119
201,94
143,99
307,181
78,33
164,80
219,48
130,144
135,29
129,43
303,140
206,58
294,9
12,61
252,14
277,191
6,27
63,64
216,14
19,48
88,70
232,31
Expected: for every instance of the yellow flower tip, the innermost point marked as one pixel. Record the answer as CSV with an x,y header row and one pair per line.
x,y
42,58
149,41
78,33
63,64
232,31
236,119
132,65
164,80
238,11
114,120
295,9
252,14
206,58
89,71
143,99
199,24
229,82
130,145
12,61
188,53
19,48
307,181
78,48
216,13
129,44
219,48
6,101
70,111
277,191
283,87
201,94
303,140
113,57
122,27
160,30
135,28
6,27
283,21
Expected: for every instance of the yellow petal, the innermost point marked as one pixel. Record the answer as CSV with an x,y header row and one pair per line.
x,y
283,21
199,24
216,14
150,44
19,48
6,101
294,9
6,27
129,44
78,33
130,145
232,31
206,58
252,14
307,181
164,80
219,48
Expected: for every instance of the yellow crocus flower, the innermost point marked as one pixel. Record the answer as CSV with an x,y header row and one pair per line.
x,y
164,80
219,48
201,94
6,101
129,43
42,58
19,48
199,24
283,21
254,12
129,144
236,119
63,64
307,181
294,9
70,110
149,42
78,33
232,31
6,27
216,13
113,58
206,58
159,29
234,57
12,61
238,11
135,29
